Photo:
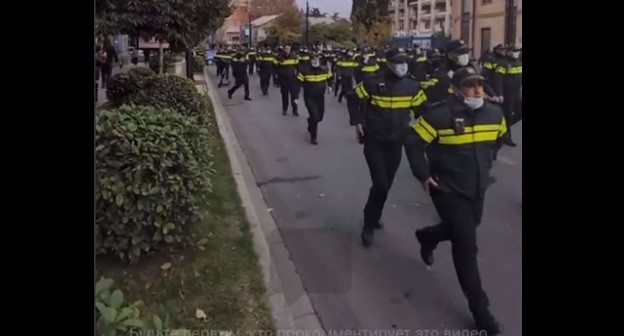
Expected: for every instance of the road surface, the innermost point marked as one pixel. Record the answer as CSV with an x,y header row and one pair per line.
x,y
317,194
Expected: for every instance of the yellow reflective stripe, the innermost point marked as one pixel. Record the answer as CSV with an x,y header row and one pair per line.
x,y
421,59
419,99
315,78
515,70
344,64
390,104
361,91
392,98
289,62
472,129
226,57
468,138
488,65
381,60
501,70
329,74
425,130
451,90
370,68
502,128
429,83
304,58
300,77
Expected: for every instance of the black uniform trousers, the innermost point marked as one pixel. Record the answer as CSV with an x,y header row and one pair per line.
x,y
460,217
265,79
219,67
512,107
289,86
383,159
225,73
251,66
337,85
315,104
347,86
241,80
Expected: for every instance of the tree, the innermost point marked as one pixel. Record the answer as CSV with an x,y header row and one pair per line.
x,y
316,13
336,33
371,21
269,7
287,27
182,23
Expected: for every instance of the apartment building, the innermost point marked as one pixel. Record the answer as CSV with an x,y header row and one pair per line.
x,y
230,32
483,24
418,18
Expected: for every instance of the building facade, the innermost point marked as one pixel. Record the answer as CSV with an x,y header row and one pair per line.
x,y
230,32
483,24
420,17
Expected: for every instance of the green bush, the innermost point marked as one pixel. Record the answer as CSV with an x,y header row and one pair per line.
x,y
153,169
198,64
175,93
168,59
123,88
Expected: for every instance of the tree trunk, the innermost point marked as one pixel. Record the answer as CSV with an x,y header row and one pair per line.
x,y
189,63
161,57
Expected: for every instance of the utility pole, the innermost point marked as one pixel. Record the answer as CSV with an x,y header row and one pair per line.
x,y
307,23
249,19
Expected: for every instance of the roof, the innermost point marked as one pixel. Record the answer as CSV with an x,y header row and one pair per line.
x,y
318,20
264,19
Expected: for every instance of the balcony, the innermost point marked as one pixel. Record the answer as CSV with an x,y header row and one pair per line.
x,y
413,3
440,2
440,8
440,14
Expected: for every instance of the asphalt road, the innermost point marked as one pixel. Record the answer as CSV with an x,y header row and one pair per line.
x,y
317,194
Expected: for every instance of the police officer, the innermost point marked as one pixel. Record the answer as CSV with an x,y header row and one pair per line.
x,y
316,79
367,66
226,60
345,69
507,80
286,68
251,56
491,61
461,135
433,63
304,57
418,64
266,66
239,70
381,119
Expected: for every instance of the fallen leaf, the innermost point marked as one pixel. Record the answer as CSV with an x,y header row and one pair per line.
x,y
200,314
165,266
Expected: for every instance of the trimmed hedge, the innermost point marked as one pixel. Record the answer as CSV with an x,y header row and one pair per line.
x,y
152,178
198,64
174,92
123,88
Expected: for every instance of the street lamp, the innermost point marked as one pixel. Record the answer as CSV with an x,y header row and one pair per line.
x,y
307,23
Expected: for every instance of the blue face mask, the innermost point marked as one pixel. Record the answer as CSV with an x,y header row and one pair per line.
x,y
474,102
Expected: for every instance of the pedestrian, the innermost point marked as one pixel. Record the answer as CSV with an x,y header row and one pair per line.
x,y
316,79
461,135
239,70
266,65
108,55
287,67
381,116
507,79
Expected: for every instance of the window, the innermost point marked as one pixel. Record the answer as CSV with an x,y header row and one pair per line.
x,y
428,24
401,25
485,2
486,36
465,28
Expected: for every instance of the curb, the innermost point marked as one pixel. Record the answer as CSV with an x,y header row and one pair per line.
x,y
277,268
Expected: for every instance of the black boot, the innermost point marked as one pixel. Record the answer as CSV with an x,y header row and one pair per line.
x,y
367,236
486,322
230,93
247,98
284,112
426,250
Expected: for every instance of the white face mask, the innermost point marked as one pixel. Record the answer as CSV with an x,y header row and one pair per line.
x,y
462,60
473,103
349,54
315,63
515,54
399,69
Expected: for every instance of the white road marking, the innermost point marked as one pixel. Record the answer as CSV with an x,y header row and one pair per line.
x,y
505,160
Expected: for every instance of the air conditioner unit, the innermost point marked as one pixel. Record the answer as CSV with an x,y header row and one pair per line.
x,y
396,34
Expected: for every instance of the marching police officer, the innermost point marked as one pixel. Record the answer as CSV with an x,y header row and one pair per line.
x,y
239,70
251,56
345,72
225,56
368,65
315,79
461,136
286,68
266,66
507,80
381,118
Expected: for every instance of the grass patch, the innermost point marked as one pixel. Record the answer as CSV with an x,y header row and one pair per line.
x,y
224,280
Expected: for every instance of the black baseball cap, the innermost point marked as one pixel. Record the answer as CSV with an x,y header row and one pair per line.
x,y
457,47
466,75
395,55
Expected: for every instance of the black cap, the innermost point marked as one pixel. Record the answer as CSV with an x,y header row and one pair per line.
x,y
457,46
466,75
433,53
395,55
